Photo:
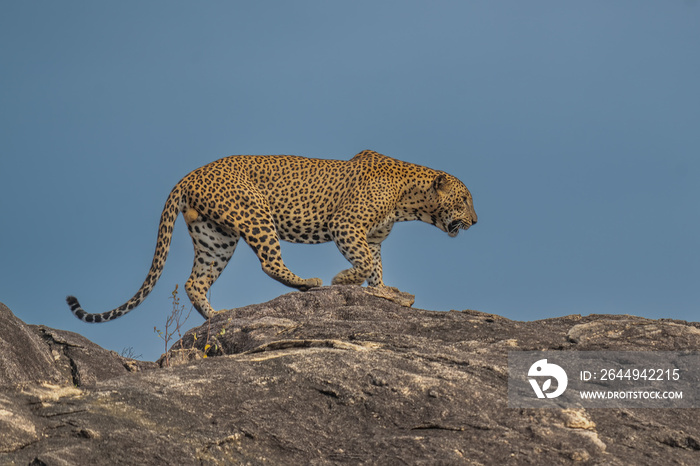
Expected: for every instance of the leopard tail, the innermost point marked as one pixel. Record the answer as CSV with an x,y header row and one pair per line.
x,y
173,206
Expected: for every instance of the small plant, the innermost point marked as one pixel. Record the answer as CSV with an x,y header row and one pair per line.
x,y
207,344
174,323
129,353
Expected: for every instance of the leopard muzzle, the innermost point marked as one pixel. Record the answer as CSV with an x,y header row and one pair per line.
x,y
456,225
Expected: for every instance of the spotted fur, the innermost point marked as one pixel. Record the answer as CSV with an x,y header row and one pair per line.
x,y
265,199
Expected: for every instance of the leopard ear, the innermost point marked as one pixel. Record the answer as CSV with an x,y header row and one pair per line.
x,y
440,182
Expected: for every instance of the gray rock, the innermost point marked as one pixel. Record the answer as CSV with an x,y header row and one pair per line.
x,y
23,355
335,375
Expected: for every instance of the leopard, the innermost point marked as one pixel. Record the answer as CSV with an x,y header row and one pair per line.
x,y
265,199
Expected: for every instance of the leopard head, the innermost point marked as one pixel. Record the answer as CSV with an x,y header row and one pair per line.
x,y
455,205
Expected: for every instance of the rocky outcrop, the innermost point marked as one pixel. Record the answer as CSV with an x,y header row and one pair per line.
x,y
335,375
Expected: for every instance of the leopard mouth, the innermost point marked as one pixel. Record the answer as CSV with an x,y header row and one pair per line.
x,y
454,227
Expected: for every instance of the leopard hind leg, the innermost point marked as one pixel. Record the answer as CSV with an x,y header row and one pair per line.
x,y
213,248
250,218
262,239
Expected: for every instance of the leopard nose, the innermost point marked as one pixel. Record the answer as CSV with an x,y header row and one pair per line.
x,y
474,219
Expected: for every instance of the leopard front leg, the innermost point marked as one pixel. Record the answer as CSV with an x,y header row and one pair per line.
x,y
374,240
375,278
352,243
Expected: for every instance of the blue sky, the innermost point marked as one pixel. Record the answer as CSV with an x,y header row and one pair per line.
x,y
576,125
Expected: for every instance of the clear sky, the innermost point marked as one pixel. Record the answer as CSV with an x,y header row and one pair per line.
x,y
576,125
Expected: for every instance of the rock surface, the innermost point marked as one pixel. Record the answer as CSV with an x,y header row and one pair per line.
x,y
335,375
